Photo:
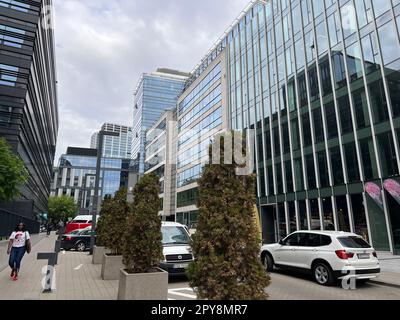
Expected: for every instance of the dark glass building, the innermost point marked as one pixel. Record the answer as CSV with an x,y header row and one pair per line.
x,y
319,83
28,96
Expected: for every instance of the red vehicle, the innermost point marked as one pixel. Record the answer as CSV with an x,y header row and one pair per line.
x,y
79,222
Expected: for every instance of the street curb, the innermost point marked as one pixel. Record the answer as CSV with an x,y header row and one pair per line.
x,y
386,284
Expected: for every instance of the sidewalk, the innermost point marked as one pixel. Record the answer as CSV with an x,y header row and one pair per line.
x,y
390,270
76,278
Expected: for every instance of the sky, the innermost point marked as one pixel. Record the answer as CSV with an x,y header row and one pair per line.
x,y
103,46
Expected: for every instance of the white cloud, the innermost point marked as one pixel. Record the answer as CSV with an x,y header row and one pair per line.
x,y
103,47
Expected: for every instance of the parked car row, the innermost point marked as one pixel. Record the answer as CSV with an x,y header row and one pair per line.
x,y
327,255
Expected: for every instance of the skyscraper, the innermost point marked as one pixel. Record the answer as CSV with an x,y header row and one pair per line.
x,y
155,93
114,147
28,97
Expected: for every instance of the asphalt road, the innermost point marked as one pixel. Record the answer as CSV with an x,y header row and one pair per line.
x,y
289,286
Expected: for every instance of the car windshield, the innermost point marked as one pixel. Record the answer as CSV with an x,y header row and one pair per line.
x,y
174,235
353,242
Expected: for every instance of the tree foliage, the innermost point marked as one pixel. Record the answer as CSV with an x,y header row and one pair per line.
x,y
112,221
142,251
61,208
226,244
13,173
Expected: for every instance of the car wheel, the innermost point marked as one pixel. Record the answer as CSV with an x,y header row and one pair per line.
x,y
268,263
81,246
323,274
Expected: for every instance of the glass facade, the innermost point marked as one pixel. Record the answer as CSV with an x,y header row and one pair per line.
x,y
318,81
155,93
75,177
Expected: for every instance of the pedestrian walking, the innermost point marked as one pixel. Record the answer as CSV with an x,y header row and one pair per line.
x,y
48,228
19,244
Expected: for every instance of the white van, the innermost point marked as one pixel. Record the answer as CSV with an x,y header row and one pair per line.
x,y
176,248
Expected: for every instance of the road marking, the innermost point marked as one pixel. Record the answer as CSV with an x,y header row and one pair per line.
x,y
78,267
185,295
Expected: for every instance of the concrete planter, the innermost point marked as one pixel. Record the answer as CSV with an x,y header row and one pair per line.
x,y
143,286
98,253
110,267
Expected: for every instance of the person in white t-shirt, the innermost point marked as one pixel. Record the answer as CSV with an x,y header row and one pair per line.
x,y
19,244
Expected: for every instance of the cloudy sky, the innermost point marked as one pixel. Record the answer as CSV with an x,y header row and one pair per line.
x,y
103,46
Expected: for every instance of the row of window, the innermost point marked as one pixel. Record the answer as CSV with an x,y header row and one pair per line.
x,y
188,176
212,77
8,75
201,108
12,37
200,129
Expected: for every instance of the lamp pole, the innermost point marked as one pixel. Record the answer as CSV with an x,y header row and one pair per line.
x,y
97,183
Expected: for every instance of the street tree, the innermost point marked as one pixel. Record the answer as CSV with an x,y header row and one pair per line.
x,y
226,243
61,208
13,173
142,250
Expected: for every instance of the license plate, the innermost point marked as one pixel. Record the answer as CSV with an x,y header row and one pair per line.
x,y
363,255
181,266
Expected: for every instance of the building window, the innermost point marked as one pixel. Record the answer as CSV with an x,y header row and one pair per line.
x,y
342,214
328,214
359,217
387,154
352,162
336,162
312,183
330,115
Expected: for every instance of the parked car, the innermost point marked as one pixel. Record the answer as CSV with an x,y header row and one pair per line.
x,y
327,255
79,222
78,239
176,248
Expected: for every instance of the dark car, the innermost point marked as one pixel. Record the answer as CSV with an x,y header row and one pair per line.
x,y
77,239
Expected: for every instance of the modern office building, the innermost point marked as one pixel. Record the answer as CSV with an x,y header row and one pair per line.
x,y
161,159
201,113
75,176
114,147
319,82
28,97
155,93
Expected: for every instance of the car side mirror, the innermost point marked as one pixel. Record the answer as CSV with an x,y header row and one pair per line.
x,y
281,242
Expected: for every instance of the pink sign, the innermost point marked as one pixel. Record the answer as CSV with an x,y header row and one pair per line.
x,y
374,191
393,187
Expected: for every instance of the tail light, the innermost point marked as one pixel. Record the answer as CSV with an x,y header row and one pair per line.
x,y
375,254
342,254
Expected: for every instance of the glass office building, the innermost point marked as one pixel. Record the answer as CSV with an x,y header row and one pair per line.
x,y
114,147
201,113
319,82
155,93
75,176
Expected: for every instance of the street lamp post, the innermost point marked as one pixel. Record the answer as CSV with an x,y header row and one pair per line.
x,y
97,182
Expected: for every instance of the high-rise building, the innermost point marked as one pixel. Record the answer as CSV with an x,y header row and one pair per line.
x,y
161,159
202,112
114,147
28,97
319,84
155,93
75,176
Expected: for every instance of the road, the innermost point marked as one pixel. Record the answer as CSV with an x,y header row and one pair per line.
x,y
289,286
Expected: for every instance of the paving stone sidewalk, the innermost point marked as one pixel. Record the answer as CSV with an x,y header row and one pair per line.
x,y
390,270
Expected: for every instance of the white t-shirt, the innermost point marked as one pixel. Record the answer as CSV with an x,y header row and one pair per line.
x,y
19,238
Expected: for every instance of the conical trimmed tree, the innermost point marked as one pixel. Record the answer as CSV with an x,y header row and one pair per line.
x,y
142,250
226,244
101,226
113,221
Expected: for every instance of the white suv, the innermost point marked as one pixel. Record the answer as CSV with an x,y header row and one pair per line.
x,y
328,255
